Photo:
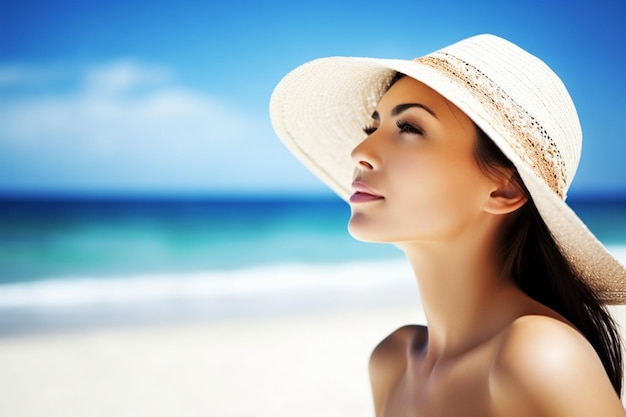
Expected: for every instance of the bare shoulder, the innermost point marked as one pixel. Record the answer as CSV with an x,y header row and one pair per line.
x,y
406,337
545,367
389,360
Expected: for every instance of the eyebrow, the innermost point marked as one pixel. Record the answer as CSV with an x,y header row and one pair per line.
x,y
402,107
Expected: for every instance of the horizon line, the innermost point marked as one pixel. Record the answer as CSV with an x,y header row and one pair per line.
x,y
216,195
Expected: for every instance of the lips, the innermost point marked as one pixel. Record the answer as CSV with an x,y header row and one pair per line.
x,y
363,193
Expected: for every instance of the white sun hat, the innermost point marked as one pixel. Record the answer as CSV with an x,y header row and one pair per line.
x,y
319,110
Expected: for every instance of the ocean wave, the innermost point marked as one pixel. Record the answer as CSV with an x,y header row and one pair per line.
x,y
619,251
273,280
258,281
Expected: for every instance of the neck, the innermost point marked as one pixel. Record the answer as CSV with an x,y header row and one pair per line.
x,y
464,294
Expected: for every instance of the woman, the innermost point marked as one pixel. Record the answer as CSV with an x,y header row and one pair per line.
x,y
462,158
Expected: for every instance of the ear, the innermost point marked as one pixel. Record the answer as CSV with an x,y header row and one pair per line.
x,y
506,197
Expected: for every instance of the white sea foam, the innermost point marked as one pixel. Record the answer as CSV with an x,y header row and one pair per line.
x,y
619,251
272,280
268,280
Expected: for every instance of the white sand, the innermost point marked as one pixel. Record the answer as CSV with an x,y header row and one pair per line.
x,y
306,365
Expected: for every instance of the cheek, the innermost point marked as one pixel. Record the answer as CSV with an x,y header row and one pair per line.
x,y
439,202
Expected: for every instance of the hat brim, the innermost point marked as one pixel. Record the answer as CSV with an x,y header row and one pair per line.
x,y
319,111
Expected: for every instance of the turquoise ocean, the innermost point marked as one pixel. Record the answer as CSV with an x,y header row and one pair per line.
x,y
70,263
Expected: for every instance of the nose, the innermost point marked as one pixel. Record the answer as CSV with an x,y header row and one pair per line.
x,y
364,157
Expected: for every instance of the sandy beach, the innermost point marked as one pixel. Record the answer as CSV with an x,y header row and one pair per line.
x,y
304,365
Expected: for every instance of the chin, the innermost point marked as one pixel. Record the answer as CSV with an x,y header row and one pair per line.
x,y
361,232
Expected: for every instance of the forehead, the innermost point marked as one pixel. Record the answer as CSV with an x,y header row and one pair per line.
x,y
410,90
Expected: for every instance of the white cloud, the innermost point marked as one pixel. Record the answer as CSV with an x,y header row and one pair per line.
x,y
123,76
133,125
110,108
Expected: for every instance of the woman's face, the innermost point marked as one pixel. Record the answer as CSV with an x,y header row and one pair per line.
x,y
416,175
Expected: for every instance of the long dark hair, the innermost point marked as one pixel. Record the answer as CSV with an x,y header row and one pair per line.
x,y
534,261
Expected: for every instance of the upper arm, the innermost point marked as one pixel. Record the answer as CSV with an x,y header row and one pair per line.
x,y
546,368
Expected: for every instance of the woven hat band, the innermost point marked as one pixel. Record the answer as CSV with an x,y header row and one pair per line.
x,y
521,130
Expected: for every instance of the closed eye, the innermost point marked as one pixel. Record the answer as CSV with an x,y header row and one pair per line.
x,y
406,127
369,130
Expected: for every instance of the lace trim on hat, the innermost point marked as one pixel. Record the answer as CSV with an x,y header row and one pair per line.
x,y
527,137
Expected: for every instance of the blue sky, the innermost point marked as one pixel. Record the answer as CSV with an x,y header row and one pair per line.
x,y
147,97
